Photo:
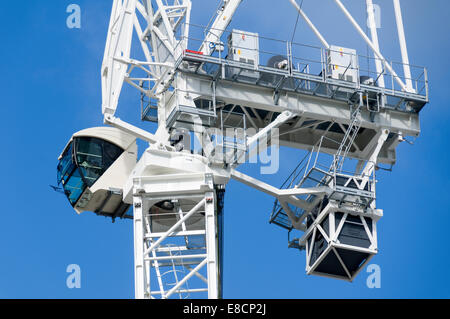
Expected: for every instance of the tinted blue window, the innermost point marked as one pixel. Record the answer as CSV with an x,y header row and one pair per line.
x,y
90,159
74,187
94,156
82,164
69,176
65,165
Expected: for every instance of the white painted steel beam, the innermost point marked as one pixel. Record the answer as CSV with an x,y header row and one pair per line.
x,y
139,271
282,118
311,107
403,47
374,36
372,161
131,129
175,226
212,240
310,24
371,45
219,25
186,278
118,44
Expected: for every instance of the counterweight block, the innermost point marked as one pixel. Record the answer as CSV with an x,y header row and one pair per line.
x,y
340,241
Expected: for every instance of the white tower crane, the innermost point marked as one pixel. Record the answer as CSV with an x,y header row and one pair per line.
x,y
229,103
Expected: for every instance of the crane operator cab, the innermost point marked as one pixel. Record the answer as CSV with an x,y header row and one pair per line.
x,y
93,168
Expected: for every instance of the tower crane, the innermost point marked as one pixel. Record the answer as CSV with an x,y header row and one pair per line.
x,y
217,99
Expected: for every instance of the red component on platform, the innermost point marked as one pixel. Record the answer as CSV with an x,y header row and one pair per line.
x,y
192,51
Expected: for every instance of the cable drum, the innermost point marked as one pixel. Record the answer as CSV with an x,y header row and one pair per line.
x,y
164,214
279,62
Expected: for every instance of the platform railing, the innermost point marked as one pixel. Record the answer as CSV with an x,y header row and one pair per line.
x,y
316,169
307,62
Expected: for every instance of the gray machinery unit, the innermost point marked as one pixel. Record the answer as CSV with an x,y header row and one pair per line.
x,y
342,63
243,47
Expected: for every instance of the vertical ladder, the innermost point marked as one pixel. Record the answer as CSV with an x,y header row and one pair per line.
x,y
347,141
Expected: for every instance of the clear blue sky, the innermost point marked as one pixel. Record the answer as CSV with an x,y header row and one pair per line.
x,y
51,88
